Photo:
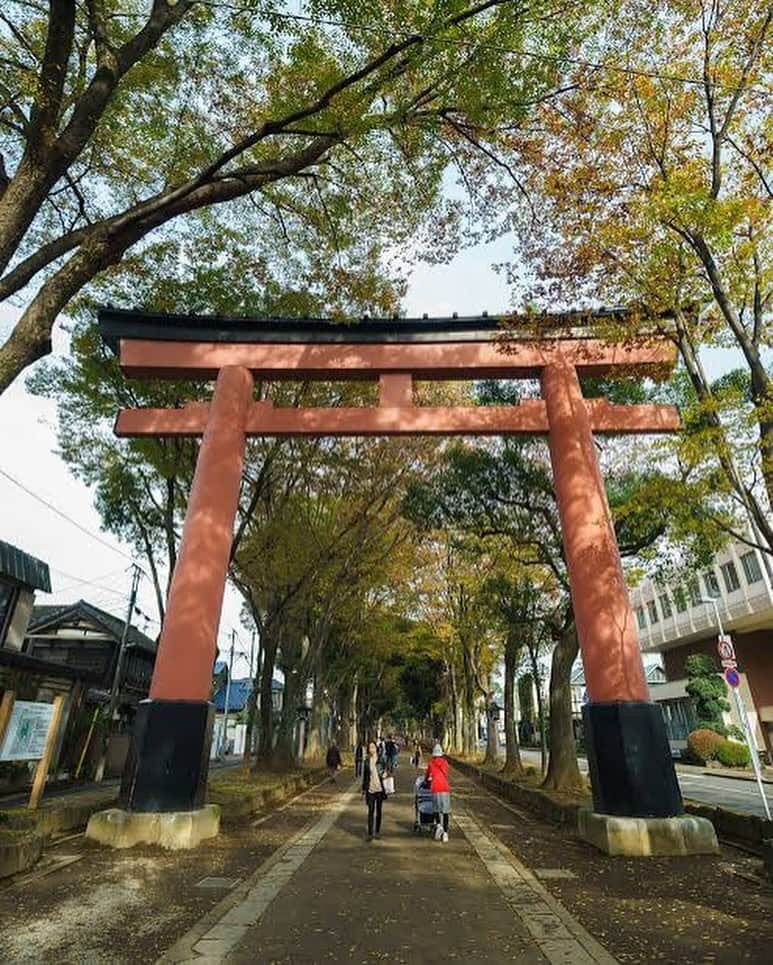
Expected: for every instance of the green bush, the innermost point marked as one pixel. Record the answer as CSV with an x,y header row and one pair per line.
x,y
702,745
733,754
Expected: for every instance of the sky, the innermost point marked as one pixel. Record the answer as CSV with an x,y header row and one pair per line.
x,y
88,563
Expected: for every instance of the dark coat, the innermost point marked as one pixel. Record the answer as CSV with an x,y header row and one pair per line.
x,y
380,767
333,758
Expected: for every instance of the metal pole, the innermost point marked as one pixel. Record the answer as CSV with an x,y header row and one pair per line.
x,y
741,711
251,706
752,749
224,744
115,690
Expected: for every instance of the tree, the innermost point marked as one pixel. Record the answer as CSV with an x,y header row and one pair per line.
x,y
116,119
648,186
707,688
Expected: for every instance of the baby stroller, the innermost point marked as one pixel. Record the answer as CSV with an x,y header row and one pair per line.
x,y
423,806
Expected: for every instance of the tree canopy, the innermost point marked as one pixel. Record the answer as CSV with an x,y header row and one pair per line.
x,y
306,141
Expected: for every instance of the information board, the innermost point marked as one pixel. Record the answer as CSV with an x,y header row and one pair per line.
x,y
25,736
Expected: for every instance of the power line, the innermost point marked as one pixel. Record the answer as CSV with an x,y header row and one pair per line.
x,y
395,34
69,519
88,581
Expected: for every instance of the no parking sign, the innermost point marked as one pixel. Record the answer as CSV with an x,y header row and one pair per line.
x,y
732,678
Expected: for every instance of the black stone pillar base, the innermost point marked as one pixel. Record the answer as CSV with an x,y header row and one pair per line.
x,y
631,770
168,761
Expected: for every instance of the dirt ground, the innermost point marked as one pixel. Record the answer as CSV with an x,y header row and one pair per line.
x,y
679,910
129,906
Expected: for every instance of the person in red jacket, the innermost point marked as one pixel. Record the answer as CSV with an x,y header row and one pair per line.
x,y
437,775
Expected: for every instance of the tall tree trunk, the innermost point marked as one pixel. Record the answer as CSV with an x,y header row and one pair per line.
x,y
252,703
284,754
563,770
266,734
344,735
492,738
536,674
513,764
469,721
315,746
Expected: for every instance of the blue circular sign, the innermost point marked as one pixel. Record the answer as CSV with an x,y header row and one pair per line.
x,y
732,678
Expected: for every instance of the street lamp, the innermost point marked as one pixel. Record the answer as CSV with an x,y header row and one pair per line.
x,y
741,710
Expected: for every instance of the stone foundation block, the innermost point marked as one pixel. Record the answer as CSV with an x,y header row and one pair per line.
x,y
173,830
18,855
642,837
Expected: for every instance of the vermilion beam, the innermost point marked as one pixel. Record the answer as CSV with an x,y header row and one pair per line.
x,y
528,418
146,358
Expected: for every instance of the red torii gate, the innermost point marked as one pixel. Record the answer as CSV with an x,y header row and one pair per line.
x,y
629,758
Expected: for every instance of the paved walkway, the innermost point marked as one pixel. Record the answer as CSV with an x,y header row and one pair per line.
x,y
328,895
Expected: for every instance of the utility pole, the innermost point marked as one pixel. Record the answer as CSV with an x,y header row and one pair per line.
x,y
250,701
115,690
224,744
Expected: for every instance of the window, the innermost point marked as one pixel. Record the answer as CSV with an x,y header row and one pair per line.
x,y
695,592
665,606
751,567
712,584
653,611
640,618
730,576
680,599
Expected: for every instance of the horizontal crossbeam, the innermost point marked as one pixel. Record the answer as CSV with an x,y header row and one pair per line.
x,y
146,358
528,418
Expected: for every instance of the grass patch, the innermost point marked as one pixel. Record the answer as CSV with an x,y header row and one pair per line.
x,y
532,779
243,779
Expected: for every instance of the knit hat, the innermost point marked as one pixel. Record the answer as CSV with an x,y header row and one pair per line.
x,y
437,751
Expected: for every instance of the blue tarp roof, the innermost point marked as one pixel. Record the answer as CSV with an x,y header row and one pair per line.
x,y
240,692
237,698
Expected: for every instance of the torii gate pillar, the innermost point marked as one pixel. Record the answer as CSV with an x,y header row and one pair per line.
x,y
628,752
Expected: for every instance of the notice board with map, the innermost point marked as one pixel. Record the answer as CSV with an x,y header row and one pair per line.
x,y
27,730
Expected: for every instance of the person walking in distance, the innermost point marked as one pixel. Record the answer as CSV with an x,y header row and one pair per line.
x,y
437,775
416,758
373,789
333,761
359,756
391,751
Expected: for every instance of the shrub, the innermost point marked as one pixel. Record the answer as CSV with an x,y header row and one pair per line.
x,y
707,688
733,754
702,745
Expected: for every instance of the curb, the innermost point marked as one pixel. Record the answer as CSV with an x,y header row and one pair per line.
x,y
723,772
732,827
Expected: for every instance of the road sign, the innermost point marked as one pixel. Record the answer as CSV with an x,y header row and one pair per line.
x,y
726,651
732,678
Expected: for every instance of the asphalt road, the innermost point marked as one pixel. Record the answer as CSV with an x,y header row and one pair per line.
x,y
736,794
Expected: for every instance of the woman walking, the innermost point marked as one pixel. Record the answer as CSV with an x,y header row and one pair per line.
x,y
373,789
437,775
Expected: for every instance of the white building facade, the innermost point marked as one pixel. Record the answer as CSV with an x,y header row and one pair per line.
x,y
674,623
